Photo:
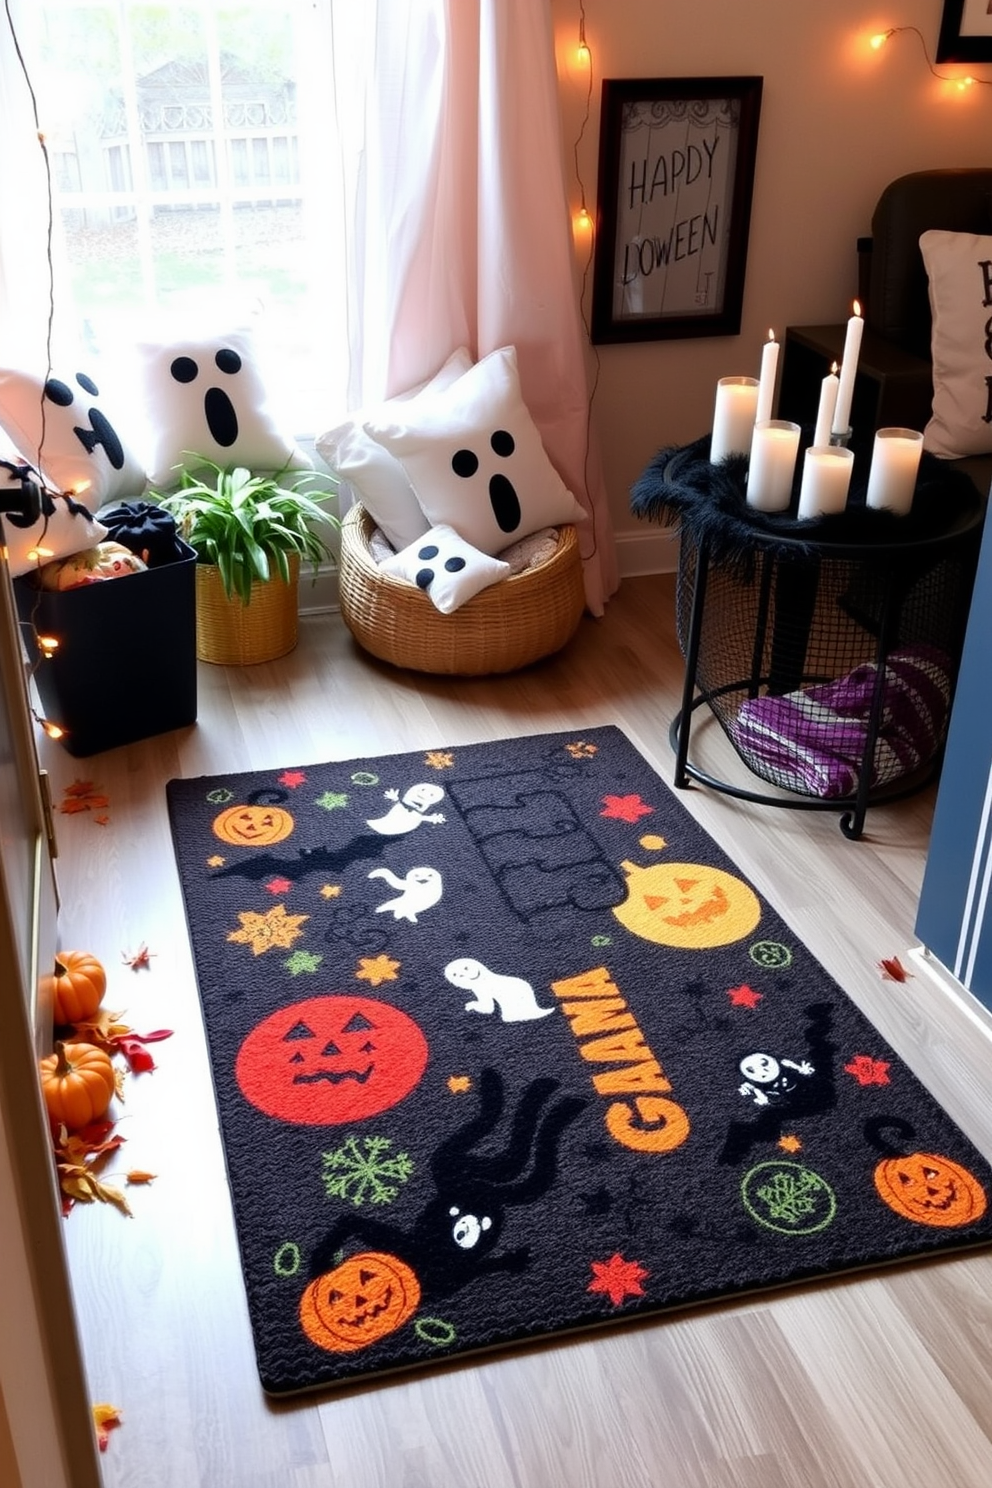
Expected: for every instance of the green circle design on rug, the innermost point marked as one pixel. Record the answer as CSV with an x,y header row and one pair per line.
x,y
331,1059
771,955
788,1198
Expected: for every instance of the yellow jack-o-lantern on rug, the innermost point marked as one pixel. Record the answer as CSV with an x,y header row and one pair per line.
x,y
255,822
365,1298
690,905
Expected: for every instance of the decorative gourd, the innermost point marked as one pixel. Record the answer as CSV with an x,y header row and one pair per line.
x,y
76,987
78,1084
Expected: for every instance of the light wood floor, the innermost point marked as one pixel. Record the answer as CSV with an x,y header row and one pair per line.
x,y
879,1382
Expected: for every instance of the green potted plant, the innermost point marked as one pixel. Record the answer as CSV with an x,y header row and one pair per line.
x,y
250,534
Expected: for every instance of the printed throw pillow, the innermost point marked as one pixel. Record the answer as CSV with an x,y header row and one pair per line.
x,y
448,569
475,459
64,527
377,478
84,454
959,267
205,395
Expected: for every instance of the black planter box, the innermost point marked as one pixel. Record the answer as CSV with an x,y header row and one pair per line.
x,y
125,667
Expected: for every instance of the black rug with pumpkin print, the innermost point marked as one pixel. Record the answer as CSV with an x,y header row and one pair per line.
x,y
504,1047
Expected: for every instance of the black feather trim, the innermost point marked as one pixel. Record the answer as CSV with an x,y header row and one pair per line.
x,y
708,502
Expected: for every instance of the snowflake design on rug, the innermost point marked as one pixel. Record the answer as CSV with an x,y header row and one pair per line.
x,y
618,1278
788,1198
581,750
360,1171
439,759
275,930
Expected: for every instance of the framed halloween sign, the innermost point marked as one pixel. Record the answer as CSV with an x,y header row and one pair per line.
x,y
676,169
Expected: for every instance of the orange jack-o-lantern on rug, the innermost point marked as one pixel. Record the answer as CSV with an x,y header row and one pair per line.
x,y
368,1296
255,823
930,1190
692,905
331,1059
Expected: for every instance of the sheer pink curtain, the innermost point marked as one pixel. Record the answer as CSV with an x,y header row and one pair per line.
x,y
461,203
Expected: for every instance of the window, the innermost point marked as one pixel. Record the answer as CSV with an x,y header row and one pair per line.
x,y
192,157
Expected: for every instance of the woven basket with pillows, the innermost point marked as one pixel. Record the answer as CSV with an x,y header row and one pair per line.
x,y
460,555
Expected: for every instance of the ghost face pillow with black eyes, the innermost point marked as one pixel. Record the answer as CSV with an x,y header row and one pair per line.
x,y
47,526
475,459
447,568
205,395
83,452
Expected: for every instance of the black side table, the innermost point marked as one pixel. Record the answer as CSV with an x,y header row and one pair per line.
x,y
827,650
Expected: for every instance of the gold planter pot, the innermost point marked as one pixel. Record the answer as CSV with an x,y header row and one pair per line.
x,y
230,633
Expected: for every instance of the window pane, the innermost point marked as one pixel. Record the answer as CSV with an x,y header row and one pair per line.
x,y
174,135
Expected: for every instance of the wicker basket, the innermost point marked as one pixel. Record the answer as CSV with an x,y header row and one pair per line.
x,y
507,626
230,633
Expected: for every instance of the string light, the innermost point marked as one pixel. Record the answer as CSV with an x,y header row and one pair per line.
x,y
880,38
582,51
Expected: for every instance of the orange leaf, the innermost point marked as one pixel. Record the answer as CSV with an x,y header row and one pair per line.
x,y
138,1175
105,1418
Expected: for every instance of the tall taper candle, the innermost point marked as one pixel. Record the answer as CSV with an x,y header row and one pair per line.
x,y
766,382
848,372
825,412
733,417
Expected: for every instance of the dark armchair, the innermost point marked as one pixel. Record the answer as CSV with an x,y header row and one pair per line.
x,y
895,384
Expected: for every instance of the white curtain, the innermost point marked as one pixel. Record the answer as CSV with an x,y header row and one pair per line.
x,y
456,204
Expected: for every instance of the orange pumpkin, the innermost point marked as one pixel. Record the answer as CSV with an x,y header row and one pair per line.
x,y
78,1084
75,988
253,826
930,1190
368,1296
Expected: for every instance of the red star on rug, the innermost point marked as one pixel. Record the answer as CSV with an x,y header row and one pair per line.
x,y
617,1278
292,778
744,996
868,1071
279,885
625,808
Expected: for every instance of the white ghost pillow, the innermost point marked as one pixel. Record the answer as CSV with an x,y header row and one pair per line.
x,y
377,477
206,395
475,459
447,568
63,528
84,451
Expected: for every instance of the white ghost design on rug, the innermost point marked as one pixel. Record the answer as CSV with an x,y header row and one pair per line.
x,y
515,998
409,812
419,890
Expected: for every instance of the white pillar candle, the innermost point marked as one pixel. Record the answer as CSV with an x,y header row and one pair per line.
x,y
733,417
826,480
766,382
825,412
895,463
848,371
774,448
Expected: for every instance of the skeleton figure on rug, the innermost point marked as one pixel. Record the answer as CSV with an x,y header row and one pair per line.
x,y
785,1089
454,1239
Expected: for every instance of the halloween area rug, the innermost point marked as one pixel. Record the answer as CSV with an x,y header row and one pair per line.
x,y
504,1047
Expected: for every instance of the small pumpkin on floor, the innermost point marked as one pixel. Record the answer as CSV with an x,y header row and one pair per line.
x,y
75,988
78,1083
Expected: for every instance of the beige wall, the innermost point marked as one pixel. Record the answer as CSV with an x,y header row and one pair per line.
x,y
838,121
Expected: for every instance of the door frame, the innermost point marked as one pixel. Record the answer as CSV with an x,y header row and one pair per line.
x,y
46,1425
